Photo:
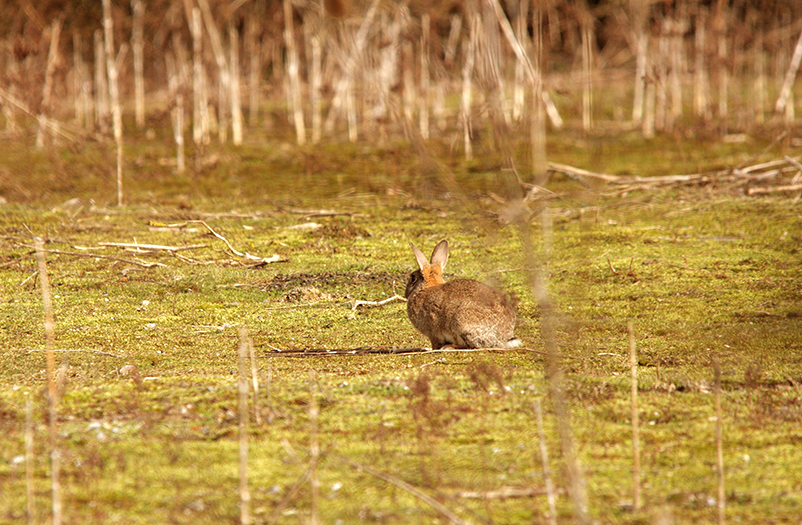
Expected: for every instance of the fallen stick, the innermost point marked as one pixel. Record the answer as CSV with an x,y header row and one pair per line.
x,y
359,302
152,246
326,352
773,189
502,493
99,256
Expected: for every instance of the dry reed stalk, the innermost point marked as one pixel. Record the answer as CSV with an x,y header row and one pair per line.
x,y
114,93
554,371
410,94
674,67
200,105
467,85
314,448
425,75
52,388
294,85
520,53
759,74
216,41
719,443
537,129
650,95
587,79
138,47
78,80
255,382
790,76
101,84
544,458
244,492
177,110
30,493
519,85
701,82
236,104
47,92
253,49
316,85
638,13
633,366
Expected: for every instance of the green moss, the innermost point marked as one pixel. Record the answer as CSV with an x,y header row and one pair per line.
x,y
701,272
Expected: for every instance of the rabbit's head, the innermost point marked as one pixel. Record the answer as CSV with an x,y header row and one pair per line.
x,y
428,273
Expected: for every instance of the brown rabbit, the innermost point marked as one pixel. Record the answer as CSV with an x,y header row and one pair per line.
x,y
462,313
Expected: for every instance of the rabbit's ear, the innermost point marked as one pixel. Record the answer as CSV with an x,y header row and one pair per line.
x,y
440,254
422,261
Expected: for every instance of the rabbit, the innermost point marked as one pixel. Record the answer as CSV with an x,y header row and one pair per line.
x,y
462,313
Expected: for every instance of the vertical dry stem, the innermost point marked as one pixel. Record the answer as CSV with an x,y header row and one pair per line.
x,y
114,92
424,76
244,491
255,381
101,84
236,105
314,448
29,452
537,276
47,95
633,365
467,86
138,46
719,444
293,75
544,456
52,390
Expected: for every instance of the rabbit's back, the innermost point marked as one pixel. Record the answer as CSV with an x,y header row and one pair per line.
x,y
464,313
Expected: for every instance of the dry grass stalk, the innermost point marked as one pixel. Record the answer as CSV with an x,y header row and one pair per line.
x,y
719,443
544,458
47,95
176,89
253,49
236,103
52,388
314,448
114,92
294,85
254,382
790,76
633,365
138,47
467,86
29,467
101,84
244,492
222,66
424,76
554,371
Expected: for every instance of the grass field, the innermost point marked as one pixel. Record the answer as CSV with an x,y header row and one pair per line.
x,y
148,339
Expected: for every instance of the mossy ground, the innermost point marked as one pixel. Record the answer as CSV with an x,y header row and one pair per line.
x,y
702,272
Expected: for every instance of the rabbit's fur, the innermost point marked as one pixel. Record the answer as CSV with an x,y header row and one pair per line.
x,y
462,313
